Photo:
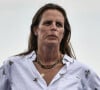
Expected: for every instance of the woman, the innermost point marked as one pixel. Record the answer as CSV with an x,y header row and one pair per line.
x,y
49,63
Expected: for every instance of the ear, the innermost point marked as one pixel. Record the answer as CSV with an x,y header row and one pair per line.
x,y
35,30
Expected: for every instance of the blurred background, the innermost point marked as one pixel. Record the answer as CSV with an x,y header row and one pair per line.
x,y
84,18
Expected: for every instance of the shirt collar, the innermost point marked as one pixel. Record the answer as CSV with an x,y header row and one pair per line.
x,y
65,59
31,56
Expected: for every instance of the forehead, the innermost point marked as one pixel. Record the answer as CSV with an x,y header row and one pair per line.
x,y
52,14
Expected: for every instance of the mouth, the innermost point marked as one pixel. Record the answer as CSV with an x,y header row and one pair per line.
x,y
52,37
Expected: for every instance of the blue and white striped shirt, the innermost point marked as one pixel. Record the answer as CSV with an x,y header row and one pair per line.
x,y
19,73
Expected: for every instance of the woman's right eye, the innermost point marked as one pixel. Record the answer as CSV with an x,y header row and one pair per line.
x,y
47,23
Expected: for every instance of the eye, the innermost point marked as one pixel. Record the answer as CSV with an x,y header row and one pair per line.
x,y
47,23
59,24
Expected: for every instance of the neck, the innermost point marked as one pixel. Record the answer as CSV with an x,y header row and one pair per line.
x,y
48,55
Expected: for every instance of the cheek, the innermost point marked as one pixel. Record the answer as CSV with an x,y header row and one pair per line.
x,y
42,32
61,34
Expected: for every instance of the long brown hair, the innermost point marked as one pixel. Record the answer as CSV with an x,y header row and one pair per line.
x,y
65,46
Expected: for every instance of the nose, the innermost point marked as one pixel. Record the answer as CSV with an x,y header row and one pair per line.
x,y
53,26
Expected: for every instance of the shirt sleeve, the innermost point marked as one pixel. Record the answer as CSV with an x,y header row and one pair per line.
x,y
4,80
92,79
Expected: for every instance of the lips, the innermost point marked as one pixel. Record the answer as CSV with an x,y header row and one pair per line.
x,y
52,36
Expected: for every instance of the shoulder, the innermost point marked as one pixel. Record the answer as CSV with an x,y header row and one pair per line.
x,y
88,76
83,70
16,62
8,62
18,58
89,79
75,63
12,59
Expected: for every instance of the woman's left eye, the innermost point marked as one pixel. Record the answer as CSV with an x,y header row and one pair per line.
x,y
59,24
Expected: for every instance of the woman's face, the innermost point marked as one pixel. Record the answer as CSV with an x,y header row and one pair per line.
x,y
51,28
